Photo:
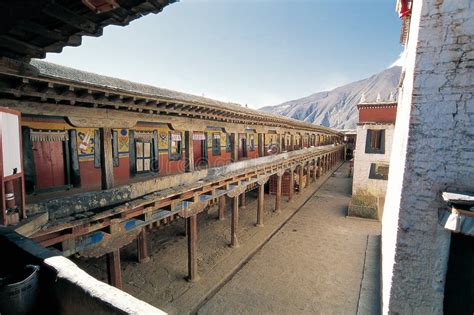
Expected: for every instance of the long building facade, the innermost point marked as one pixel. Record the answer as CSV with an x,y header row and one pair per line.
x,y
106,158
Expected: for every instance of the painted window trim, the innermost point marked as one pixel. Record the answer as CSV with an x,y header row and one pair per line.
x,y
216,146
368,140
175,156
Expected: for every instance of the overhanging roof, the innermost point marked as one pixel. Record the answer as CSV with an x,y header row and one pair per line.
x,y
31,28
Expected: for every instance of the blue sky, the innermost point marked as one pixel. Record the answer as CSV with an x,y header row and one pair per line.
x,y
255,52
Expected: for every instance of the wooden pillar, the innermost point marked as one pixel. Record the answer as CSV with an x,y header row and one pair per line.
x,y
106,158
261,145
234,146
260,208
188,153
234,227
278,194
113,269
222,208
300,175
243,200
142,247
315,170
308,172
292,142
292,185
192,248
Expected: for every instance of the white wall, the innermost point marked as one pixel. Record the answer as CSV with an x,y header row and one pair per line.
x,y
432,152
362,161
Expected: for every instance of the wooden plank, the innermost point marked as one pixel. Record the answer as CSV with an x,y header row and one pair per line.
x,y
32,224
106,155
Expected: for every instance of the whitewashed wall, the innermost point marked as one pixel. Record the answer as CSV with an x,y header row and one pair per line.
x,y
432,151
362,161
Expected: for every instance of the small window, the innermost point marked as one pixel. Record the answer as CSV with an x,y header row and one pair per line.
x,y
228,143
175,146
375,142
252,143
143,156
115,151
378,171
216,144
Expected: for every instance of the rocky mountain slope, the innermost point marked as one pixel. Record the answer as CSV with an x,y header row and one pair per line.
x,y
337,108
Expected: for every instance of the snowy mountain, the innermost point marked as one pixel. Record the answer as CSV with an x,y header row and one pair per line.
x,y
337,108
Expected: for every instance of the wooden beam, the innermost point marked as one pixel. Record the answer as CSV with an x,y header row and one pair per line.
x,y
113,269
261,205
189,151
106,154
234,227
222,208
192,248
67,16
142,247
278,194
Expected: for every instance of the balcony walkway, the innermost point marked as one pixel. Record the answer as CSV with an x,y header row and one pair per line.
x,y
314,264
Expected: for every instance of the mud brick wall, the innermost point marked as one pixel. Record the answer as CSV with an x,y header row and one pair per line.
x,y
433,151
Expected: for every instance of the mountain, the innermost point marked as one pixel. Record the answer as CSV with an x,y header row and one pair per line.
x,y
337,108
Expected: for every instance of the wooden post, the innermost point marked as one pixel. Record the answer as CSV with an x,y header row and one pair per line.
x,y
222,208
300,173
234,146
234,242
261,145
278,194
189,154
142,247
192,248
308,172
260,209
292,142
113,269
315,169
243,201
106,158
292,184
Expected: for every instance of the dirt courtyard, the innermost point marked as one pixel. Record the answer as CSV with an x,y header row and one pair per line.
x,y
313,264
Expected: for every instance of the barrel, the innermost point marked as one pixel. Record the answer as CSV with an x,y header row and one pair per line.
x,y
19,293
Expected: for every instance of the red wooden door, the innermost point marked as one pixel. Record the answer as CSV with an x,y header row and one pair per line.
x,y
49,164
197,150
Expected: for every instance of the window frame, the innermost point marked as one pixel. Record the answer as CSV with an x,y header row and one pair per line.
x,y
143,158
369,141
251,142
178,155
373,174
216,143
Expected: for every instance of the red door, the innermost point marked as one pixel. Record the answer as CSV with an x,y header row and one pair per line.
x,y
49,164
197,151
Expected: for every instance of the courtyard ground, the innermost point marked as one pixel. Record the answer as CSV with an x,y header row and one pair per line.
x,y
307,259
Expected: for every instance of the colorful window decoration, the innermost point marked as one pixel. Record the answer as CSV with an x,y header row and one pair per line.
x,y
216,143
175,147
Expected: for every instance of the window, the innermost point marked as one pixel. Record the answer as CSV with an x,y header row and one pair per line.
x,y
216,143
115,151
175,146
378,171
252,143
375,142
143,156
228,143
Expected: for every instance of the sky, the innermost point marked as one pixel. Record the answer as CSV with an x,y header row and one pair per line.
x,y
252,52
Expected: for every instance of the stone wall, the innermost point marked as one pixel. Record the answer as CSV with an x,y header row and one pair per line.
x,y
433,151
